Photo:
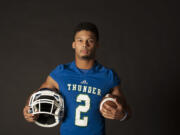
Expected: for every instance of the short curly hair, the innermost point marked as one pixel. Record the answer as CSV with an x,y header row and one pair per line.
x,y
87,26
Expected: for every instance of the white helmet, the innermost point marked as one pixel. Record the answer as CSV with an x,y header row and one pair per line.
x,y
49,105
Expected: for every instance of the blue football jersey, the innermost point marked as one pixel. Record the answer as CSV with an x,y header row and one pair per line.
x,y
83,92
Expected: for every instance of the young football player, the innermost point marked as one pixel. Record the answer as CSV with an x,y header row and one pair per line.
x,y
83,83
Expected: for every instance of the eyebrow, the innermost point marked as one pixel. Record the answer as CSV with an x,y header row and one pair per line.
x,y
82,38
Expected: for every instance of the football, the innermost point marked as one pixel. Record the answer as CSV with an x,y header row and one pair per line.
x,y
109,100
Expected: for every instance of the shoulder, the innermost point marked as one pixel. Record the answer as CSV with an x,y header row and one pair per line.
x,y
62,67
111,77
107,70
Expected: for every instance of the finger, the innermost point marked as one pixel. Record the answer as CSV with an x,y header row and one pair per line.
x,y
113,114
104,110
31,118
26,110
108,107
106,113
119,106
28,115
27,107
110,114
34,117
119,115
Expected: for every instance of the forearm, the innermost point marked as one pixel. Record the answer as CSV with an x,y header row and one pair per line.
x,y
44,85
116,91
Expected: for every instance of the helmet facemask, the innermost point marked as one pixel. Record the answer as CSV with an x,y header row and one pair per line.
x,y
48,106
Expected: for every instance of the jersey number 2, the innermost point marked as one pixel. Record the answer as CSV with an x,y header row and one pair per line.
x,y
82,109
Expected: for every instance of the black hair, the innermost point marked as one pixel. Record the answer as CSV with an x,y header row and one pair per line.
x,y
87,26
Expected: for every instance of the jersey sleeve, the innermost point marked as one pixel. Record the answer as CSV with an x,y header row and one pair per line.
x,y
114,79
55,72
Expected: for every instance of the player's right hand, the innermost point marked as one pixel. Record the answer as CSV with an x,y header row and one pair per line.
x,y
28,116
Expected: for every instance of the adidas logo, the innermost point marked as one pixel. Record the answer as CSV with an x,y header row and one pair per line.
x,y
84,82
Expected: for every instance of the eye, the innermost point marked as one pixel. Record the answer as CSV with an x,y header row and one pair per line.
x,y
91,41
79,40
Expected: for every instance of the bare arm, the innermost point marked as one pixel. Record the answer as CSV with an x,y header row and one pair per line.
x,y
122,100
49,83
122,109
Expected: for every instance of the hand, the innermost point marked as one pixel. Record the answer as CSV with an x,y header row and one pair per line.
x,y
113,113
28,116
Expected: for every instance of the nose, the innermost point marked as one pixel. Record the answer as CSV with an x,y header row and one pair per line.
x,y
85,44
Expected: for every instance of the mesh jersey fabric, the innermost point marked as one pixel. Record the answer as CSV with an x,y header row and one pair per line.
x,y
82,93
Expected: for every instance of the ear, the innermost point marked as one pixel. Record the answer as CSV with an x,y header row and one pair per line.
x,y
73,45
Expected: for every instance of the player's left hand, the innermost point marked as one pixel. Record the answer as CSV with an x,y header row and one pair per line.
x,y
113,113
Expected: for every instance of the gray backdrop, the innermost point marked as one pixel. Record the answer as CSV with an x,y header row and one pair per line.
x,y
138,40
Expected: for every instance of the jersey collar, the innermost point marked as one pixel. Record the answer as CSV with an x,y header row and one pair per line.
x,y
91,70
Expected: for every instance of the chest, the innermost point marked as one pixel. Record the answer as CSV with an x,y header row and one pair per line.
x,y
93,86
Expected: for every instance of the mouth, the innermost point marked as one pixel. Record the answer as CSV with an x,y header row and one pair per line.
x,y
84,51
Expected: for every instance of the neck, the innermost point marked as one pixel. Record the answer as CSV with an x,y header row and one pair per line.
x,y
84,64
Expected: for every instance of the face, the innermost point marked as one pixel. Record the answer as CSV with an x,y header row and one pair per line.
x,y
85,45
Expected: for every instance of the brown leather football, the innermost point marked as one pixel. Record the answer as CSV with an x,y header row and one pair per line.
x,y
110,103
108,99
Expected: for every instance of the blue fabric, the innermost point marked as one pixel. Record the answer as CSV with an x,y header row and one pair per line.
x,y
82,92
84,70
